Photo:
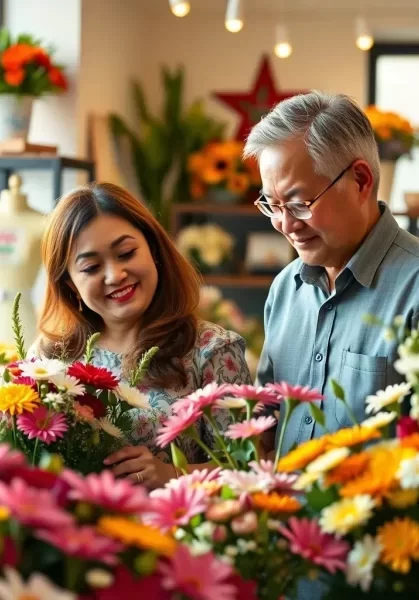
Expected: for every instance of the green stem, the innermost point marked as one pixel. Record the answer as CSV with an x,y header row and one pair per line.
x,y
350,413
73,569
288,410
255,446
34,451
14,431
220,439
206,449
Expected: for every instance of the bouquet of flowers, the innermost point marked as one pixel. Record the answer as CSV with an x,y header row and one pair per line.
x,y
209,246
219,166
394,134
68,537
74,409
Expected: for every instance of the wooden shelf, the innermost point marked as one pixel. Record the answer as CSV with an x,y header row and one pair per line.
x,y
245,281
217,209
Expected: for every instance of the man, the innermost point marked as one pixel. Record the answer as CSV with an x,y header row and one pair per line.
x,y
320,171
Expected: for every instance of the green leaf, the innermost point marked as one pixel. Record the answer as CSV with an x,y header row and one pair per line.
x,y
317,414
195,521
179,459
90,344
227,493
337,390
18,329
140,103
318,498
4,39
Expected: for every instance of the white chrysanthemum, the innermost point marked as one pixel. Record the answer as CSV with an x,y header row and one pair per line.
x,y
381,419
12,587
42,369
327,461
408,473
132,396
99,578
361,561
53,399
407,364
68,384
109,428
344,515
392,394
228,403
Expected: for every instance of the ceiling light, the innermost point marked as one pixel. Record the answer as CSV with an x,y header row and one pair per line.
x,y
180,8
283,48
364,38
234,16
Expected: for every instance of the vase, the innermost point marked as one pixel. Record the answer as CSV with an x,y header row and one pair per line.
x,y
15,116
387,168
223,196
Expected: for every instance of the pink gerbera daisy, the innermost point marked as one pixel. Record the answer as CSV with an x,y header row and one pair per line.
x,y
196,478
250,428
258,393
33,507
200,399
199,577
43,424
177,424
83,542
102,489
295,392
308,541
10,459
176,506
283,482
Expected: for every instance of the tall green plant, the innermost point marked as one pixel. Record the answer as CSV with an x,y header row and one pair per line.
x,y
161,144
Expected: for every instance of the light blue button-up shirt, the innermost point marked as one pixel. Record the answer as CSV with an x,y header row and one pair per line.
x,y
312,335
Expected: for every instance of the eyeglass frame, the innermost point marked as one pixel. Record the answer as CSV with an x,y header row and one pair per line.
x,y
260,203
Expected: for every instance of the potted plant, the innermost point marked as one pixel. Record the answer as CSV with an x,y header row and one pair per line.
x,y
27,71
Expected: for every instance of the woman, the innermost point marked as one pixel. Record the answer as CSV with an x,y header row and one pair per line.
x,y
112,268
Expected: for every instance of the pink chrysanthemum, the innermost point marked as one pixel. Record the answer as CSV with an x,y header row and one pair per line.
x,y
10,459
308,541
177,424
295,392
83,542
196,478
200,399
176,506
246,482
199,577
283,482
43,424
261,394
250,428
33,507
102,489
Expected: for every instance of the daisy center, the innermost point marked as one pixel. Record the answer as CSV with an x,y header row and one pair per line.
x,y
41,371
180,512
43,423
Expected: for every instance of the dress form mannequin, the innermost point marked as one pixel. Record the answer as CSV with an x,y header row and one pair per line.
x,y
21,230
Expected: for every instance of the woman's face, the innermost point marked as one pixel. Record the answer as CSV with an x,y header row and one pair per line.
x,y
112,270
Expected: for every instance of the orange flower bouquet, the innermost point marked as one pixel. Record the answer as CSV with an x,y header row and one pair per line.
x,y
219,171
394,134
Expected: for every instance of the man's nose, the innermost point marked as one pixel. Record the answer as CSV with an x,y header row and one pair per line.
x,y
289,224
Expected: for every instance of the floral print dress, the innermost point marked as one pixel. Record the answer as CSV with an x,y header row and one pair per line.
x,y
218,355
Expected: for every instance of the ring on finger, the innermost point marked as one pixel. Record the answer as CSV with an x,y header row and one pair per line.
x,y
140,478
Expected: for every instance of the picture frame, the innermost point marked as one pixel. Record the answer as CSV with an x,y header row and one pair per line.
x,y
267,253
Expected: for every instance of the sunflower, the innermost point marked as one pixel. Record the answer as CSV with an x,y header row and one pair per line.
x,y
16,397
351,436
399,540
220,161
275,503
136,534
351,467
302,455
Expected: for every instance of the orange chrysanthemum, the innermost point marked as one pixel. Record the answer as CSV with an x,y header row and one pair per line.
x,y
14,77
399,540
302,455
276,503
349,469
17,56
136,534
410,441
351,436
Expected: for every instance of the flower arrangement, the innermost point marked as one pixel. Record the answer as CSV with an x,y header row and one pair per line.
x,y
74,409
219,166
27,68
394,134
209,246
68,537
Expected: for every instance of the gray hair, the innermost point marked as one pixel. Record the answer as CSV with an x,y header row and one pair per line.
x,y
335,130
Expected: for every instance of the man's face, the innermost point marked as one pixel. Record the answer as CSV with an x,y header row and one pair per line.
x,y
340,218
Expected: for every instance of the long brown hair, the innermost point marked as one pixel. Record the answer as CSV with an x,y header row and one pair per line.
x,y
169,322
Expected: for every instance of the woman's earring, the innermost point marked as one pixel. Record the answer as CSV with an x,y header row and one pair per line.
x,y
80,304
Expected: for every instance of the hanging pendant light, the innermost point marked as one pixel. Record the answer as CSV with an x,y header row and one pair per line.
x,y
283,48
180,8
234,16
364,38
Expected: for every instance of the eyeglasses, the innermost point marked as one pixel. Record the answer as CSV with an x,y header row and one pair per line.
x,y
298,210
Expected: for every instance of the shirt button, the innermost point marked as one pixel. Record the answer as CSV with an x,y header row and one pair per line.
x,y
319,357
329,306
308,420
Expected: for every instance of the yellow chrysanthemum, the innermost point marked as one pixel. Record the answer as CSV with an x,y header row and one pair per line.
x,y
400,544
136,534
403,498
351,436
302,455
16,397
275,503
347,514
351,467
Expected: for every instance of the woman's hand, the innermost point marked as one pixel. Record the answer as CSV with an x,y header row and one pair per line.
x,y
137,464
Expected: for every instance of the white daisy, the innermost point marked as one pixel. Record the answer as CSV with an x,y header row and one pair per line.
x,y
344,515
228,403
109,428
407,364
361,561
391,395
328,461
38,587
132,396
408,473
53,399
42,369
306,480
68,384
414,407
245,482
381,419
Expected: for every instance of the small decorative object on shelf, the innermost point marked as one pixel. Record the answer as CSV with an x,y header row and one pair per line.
x,y
267,253
209,246
218,173
26,72
395,138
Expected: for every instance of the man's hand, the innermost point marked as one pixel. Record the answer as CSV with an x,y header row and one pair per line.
x,y
137,464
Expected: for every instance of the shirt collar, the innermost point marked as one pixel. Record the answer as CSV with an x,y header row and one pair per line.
x,y
365,262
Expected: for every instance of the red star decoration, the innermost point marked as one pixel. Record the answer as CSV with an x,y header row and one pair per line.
x,y
253,105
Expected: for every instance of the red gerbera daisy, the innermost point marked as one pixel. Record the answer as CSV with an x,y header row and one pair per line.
x,y
98,377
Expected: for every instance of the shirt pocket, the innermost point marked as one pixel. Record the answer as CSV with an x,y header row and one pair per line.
x,y
360,376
